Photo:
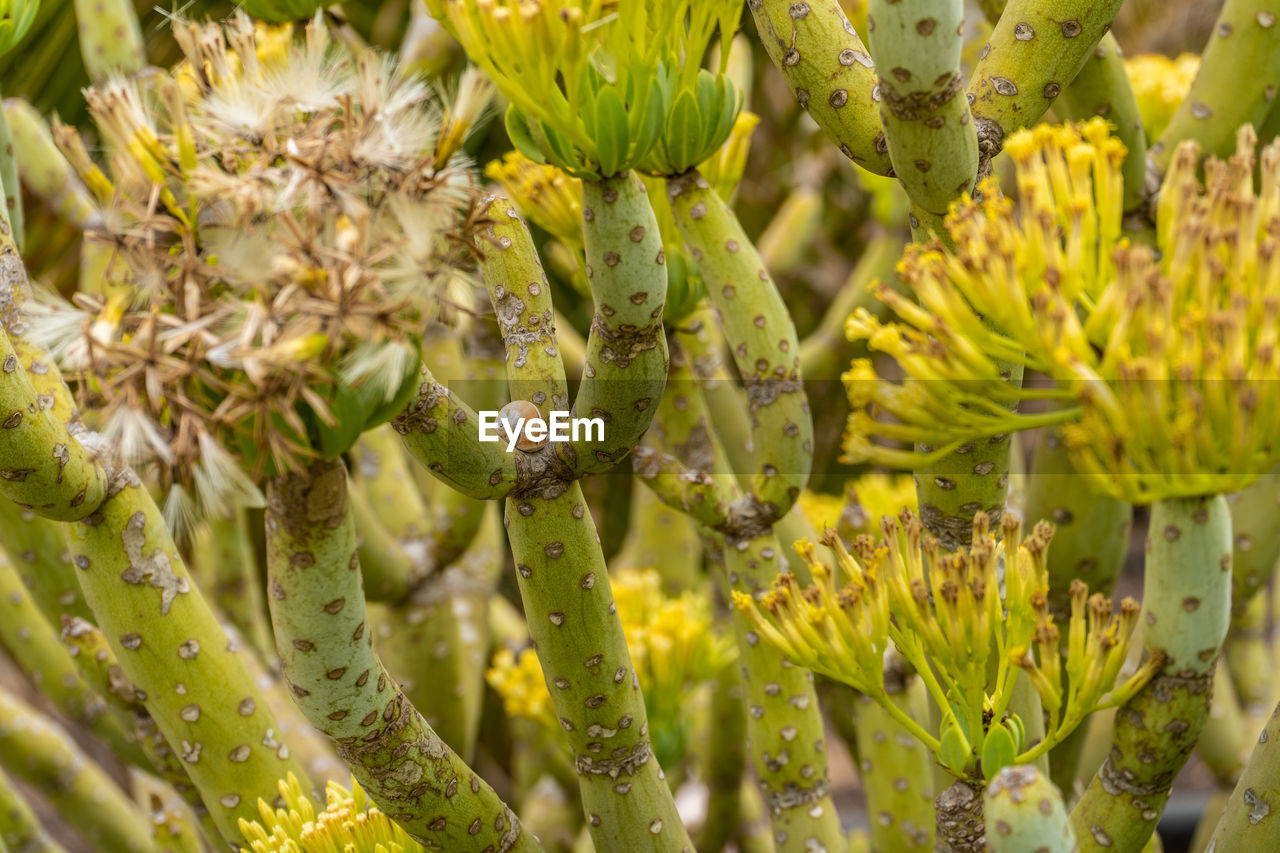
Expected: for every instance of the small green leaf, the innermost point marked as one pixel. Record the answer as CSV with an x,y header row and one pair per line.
x,y
683,129
998,750
953,750
644,139
611,136
518,131
1019,732
558,146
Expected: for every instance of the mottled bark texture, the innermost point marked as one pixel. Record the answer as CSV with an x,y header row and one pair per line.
x,y
762,338
958,813
326,647
1237,82
1248,822
575,629
1090,529
1186,606
1035,51
896,768
973,479
173,649
930,133
834,80
1025,814
626,365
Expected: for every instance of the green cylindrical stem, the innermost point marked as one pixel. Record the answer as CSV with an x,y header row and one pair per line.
x,y
1090,529
34,748
226,563
1221,745
435,643
110,38
973,479
521,298
1236,84
101,669
12,196
1248,656
1102,88
1035,51
1256,538
823,60
761,336
896,770
37,548
36,648
1025,814
726,404
786,739
388,570
326,645
932,145
171,646
20,832
626,367
1249,820
45,173
724,762
41,466
1186,605
584,656
441,432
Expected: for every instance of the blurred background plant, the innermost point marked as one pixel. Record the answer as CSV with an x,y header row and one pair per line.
x,y
251,246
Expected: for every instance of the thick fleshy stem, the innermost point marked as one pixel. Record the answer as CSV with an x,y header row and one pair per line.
x,y
9,181
1222,743
825,63
110,38
37,750
1248,823
560,566
101,669
1256,538
916,44
172,647
441,433
702,338
1186,608
225,562
762,338
1090,529
626,366
1102,88
19,829
37,547
1025,814
959,816
435,642
974,478
34,645
725,762
44,171
1237,82
1035,51
575,628
896,768
326,645
786,737
1248,655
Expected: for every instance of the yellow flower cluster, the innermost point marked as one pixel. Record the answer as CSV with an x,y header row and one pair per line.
x,y
516,676
945,615
1164,365
1160,84
545,195
865,500
349,823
